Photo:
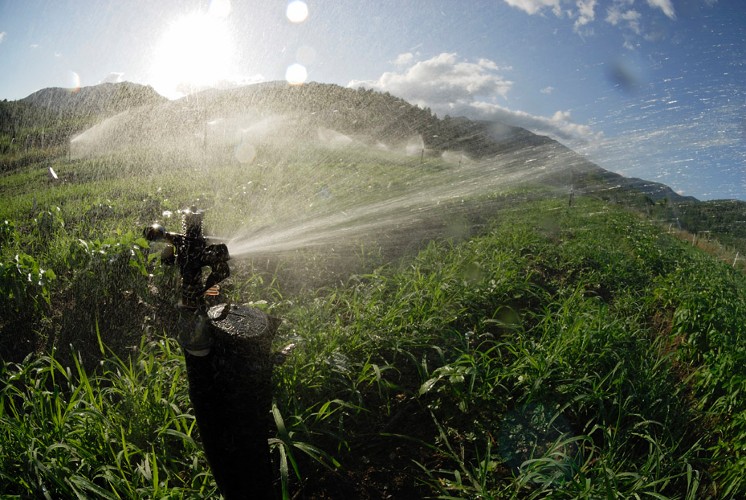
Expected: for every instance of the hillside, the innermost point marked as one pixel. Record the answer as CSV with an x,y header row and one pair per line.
x,y
724,220
97,102
130,115
219,126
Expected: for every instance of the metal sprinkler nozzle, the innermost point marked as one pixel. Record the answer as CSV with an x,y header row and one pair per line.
x,y
191,252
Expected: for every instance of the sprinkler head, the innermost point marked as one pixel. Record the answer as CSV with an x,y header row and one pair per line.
x,y
190,250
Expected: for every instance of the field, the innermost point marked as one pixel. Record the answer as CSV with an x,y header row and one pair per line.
x,y
500,342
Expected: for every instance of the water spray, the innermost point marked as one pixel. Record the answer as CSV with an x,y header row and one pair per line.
x,y
229,361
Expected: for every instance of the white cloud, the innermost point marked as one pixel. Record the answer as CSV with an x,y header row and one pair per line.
x,y
665,5
615,15
583,12
547,90
2,36
586,13
113,77
583,15
451,86
488,64
534,6
443,78
560,125
404,59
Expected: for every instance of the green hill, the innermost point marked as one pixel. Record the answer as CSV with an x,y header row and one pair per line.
x,y
113,117
40,126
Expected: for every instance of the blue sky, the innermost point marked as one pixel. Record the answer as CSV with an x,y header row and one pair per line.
x,y
647,88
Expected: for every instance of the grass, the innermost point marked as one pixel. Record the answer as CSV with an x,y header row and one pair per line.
x,y
553,351
122,431
528,363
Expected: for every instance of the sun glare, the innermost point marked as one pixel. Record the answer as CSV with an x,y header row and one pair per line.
x,y
195,52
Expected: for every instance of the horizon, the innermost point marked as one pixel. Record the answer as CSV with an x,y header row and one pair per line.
x,y
647,89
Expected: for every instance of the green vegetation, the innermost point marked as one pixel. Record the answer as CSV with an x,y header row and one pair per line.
x,y
123,430
565,352
725,220
571,353
519,346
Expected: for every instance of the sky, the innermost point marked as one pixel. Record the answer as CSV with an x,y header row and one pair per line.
x,y
654,89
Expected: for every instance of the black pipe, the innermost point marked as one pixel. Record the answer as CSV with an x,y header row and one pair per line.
x,y
229,364
231,391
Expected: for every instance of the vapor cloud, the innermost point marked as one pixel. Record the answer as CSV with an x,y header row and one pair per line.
x,y
2,36
451,86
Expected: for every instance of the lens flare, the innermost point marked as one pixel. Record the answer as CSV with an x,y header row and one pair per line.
x,y
305,55
74,79
297,11
245,152
296,74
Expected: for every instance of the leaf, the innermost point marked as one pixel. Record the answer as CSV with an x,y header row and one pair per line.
x,y
424,388
87,485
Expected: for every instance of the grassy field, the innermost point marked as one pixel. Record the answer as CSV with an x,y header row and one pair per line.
x,y
545,351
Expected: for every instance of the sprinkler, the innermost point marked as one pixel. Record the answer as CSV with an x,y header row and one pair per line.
x,y
227,348
191,252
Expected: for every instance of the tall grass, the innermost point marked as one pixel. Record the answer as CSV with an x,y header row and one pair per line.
x,y
565,352
550,357
123,431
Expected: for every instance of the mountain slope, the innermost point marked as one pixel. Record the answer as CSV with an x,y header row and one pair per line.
x,y
375,117
50,117
127,114
97,101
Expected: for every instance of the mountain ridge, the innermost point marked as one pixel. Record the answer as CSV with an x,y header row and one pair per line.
x,y
104,98
360,114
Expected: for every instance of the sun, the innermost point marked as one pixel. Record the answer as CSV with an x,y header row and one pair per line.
x,y
194,52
